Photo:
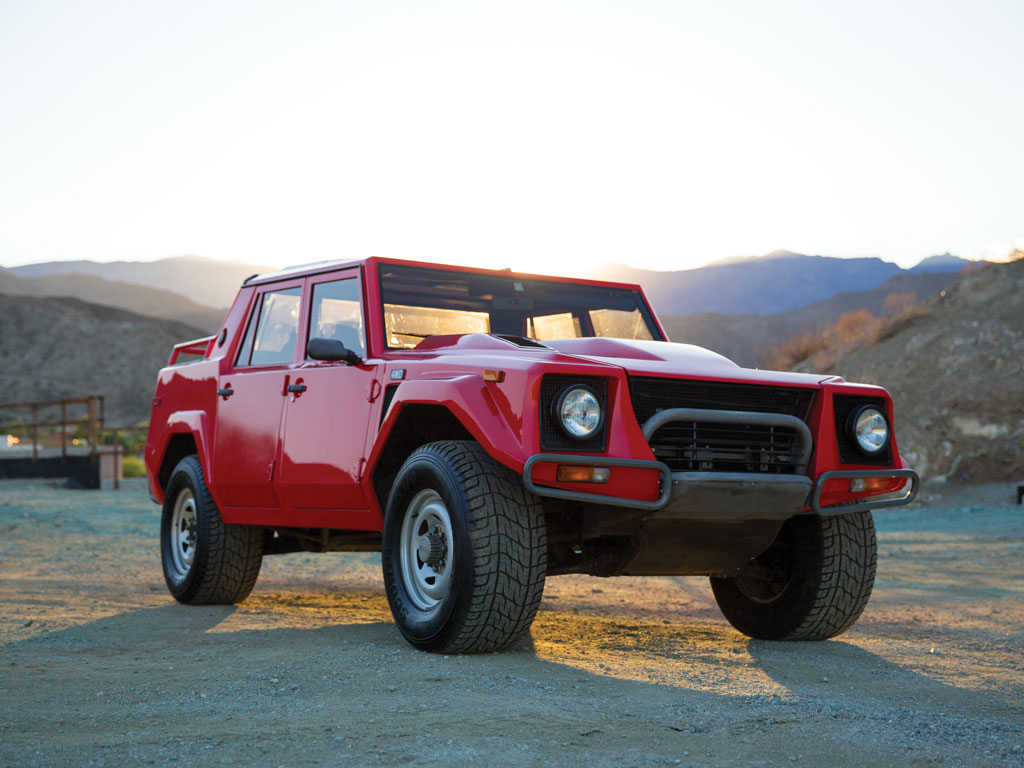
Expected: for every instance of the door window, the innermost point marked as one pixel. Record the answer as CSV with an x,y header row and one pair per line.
x,y
338,314
272,338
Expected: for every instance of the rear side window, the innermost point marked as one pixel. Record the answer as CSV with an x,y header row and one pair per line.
x,y
338,314
271,339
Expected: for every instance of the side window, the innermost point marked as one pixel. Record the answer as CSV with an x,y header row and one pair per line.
x,y
272,338
337,313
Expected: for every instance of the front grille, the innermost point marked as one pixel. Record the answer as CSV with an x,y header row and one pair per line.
x,y
552,437
708,447
842,407
650,395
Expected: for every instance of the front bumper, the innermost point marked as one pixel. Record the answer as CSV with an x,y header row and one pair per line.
x,y
725,496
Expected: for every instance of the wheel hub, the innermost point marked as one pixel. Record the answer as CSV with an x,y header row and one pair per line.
x,y
426,550
432,549
184,530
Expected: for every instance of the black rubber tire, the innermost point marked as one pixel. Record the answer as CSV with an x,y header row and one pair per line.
x,y
227,557
500,551
824,569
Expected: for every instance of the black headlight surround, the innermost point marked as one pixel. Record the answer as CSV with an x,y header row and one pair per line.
x,y
556,412
851,430
552,436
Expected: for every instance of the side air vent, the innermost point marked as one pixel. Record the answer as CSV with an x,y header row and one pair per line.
x,y
389,395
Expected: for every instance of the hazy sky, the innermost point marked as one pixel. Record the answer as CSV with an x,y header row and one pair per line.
x,y
544,136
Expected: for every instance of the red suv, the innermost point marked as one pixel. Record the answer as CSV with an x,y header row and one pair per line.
x,y
485,430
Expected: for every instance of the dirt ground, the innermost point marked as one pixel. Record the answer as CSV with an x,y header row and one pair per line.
x,y
99,666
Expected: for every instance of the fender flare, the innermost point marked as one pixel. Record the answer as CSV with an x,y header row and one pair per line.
x,y
196,424
471,403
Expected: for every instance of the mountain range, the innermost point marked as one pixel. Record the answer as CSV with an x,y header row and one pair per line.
x,y
201,280
765,285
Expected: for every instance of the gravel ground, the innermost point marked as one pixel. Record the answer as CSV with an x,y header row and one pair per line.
x,y
101,667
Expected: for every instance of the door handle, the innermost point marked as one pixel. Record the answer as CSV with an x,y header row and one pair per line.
x,y
296,387
226,392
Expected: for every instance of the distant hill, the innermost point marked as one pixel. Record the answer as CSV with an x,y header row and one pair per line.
x,y
956,374
59,347
745,338
134,298
763,285
945,262
202,280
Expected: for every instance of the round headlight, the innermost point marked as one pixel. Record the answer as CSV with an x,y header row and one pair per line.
x,y
578,410
870,430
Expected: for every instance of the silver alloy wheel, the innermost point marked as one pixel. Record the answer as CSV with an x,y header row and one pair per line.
x,y
183,534
426,550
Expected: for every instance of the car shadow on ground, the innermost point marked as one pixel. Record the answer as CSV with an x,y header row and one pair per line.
x,y
213,682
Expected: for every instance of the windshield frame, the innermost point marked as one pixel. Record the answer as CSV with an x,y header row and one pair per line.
x,y
634,293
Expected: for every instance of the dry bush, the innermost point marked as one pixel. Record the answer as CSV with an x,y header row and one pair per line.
x,y
897,303
904,319
795,350
855,328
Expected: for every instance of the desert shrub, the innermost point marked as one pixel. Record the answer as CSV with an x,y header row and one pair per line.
x,y
856,328
904,319
897,303
795,350
133,466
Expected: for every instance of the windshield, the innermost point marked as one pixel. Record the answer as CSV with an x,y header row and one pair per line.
x,y
420,302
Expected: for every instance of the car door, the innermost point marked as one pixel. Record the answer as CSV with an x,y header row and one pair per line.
x,y
327,411
251,398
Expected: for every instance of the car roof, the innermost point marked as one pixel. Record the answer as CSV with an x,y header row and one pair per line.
x,y
317,267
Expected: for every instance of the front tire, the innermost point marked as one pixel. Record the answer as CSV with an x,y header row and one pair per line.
x,y
464,551
812,583
206,561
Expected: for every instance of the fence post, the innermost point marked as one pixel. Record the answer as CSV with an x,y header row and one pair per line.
x,y
35,433
63,429
117,463
92,426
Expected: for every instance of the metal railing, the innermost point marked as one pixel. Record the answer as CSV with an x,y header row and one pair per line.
x,y
76,423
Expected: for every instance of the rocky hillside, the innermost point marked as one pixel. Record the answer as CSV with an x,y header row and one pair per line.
x,y
956,374
745,339
110,293
56,347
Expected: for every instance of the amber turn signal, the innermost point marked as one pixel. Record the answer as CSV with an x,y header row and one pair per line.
x,y
573,474
498,376
862,484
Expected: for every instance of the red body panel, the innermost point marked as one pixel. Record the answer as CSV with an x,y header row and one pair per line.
x,y
306,459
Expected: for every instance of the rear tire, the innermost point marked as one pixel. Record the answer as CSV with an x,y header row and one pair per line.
x,y
812,583
206,561
464,551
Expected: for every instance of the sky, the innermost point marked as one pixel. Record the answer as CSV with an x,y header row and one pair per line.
x,y
546,136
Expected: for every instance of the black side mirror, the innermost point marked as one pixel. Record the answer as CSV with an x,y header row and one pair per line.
x,y
331,350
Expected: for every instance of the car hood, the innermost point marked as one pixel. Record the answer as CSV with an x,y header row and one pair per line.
x,y
663,358
638,358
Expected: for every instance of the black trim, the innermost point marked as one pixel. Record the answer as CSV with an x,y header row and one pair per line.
x,y
389,395
849,453
552,436
650,394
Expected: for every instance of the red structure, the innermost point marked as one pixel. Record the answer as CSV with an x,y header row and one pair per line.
x,y
486,429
